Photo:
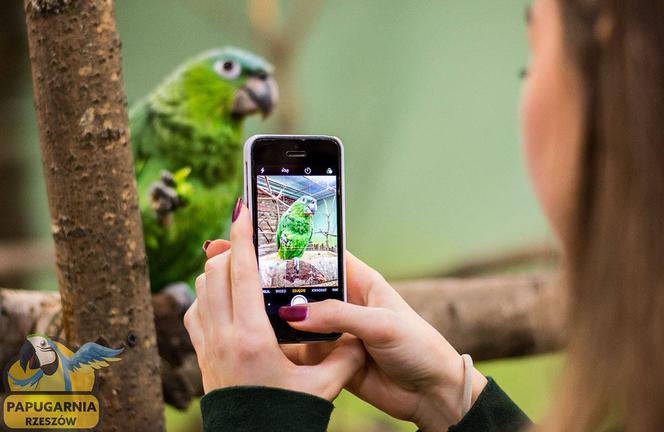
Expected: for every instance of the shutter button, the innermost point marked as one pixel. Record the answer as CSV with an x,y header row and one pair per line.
x,y
298,300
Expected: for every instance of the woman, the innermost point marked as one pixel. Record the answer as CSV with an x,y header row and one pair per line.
x,y
592,102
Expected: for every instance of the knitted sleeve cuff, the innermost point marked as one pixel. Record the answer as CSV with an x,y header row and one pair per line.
x,y
255,408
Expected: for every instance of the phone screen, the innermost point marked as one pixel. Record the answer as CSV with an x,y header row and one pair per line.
x,y
297,213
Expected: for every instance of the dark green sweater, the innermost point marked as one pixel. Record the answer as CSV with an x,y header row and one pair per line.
x,y
253,409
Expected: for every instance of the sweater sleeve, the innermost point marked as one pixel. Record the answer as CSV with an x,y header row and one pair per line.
x,y
254,408
493,411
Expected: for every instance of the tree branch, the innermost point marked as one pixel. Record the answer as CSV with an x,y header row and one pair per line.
x,y
23,312
492,317
95,222
486,317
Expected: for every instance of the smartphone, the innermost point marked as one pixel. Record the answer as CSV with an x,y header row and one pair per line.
x,y
294,187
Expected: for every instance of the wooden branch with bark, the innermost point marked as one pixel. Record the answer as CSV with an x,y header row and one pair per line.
x,y
492,317
87,162
489,318
23,312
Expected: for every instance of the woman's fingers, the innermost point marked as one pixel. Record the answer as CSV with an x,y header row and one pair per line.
x,y
218,289
293,352
247,295
201,297
216,247
194,326
192,322
339,366
375,326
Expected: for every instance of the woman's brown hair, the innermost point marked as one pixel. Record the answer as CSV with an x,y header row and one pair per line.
x,y
614,376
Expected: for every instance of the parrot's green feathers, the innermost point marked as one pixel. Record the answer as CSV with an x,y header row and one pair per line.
x,y
183,188
191,127
296,228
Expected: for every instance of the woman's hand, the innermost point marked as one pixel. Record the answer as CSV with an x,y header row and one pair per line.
x,y
413,373
234,341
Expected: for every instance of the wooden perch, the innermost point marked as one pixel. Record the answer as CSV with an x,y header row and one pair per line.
x,y
492,317
486,317
23,312
96,226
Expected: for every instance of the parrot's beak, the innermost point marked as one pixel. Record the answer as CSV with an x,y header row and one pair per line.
x,y
28,357
310,209
258,94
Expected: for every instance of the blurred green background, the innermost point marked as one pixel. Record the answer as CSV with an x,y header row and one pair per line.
x,y
424,95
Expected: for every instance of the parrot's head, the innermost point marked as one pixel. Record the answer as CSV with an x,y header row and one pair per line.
x,y
37,353
305,205
228,83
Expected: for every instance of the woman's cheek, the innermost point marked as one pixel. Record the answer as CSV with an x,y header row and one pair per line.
x,y
533,117
551,124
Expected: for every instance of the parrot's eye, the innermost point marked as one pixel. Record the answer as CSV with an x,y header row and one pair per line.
x,y
228,69
42,343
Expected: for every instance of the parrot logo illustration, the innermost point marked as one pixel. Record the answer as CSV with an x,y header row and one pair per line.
x,y
295,229
55,370
187,139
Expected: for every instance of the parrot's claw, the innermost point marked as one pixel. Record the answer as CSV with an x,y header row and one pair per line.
x,y
296,262
164,199
167,178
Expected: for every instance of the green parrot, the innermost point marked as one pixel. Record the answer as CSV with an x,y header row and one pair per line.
x,y
187,145
295,229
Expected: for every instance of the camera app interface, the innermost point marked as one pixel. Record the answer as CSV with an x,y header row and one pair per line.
x,y
297,223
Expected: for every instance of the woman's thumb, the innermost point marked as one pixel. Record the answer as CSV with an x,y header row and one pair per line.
x,y
372,325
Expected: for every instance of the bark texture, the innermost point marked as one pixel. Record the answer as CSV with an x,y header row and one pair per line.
x,y
23,312
487,317
492,317
99,253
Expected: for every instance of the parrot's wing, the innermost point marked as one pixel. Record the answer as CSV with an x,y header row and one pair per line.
x,y
92,355
28,382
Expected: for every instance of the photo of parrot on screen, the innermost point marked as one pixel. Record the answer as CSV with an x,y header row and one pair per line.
x,y
295,230
187,139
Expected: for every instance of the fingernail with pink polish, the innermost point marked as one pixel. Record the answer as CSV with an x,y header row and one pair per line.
x,y
237,209
293,313
206,243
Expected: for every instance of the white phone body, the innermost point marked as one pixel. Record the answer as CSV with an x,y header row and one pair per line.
x,y
250,178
